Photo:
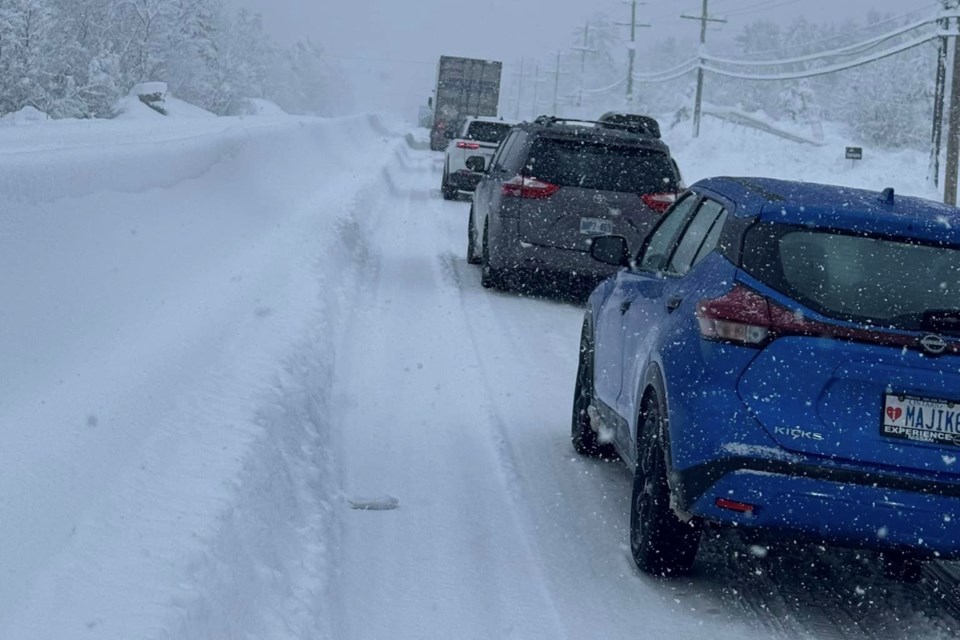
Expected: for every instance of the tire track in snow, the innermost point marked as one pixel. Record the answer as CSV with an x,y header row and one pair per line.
x,y
779,603
428,453
523,348
575,509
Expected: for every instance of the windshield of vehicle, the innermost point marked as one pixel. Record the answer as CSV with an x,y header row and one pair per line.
x,y
487,131
867,279
603,167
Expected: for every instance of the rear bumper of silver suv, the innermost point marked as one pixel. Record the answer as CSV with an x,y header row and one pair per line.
x,y
509,253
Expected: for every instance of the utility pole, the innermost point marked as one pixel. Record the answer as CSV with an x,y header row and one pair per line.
x,y
950,178
953,140
584,50
556,85
520,91
939,98
536,90
632,47
704,19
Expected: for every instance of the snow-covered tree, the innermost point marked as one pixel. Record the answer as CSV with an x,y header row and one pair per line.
x,y
75,58
28,54
798,103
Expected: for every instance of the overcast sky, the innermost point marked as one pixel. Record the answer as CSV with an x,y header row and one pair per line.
x,y
390,47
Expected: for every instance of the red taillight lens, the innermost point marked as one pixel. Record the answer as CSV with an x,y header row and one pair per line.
x,y
523,187
741,316
467,145
659,202
734,505
745,317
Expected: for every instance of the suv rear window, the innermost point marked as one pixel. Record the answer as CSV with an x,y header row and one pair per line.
x,y
860,278
488,131
603,167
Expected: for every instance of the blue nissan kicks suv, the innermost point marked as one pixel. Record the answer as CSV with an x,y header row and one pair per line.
x,y
781,357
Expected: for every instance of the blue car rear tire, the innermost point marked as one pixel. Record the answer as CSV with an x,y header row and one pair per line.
x,y
662,543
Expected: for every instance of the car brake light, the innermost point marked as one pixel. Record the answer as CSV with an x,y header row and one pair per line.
x,y
523,187
745,317
741,316
735,505
659,202
467,145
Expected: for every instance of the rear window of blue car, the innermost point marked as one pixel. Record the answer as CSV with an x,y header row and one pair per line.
x,y
602,167
880,281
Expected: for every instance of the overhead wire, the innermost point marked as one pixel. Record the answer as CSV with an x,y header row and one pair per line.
x,y
810,73
852,49
839,36
758,8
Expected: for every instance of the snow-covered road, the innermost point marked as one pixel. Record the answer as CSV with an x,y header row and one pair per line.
x,y
254,391
455,402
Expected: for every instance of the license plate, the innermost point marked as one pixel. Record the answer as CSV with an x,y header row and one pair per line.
x,y
918,419
595,227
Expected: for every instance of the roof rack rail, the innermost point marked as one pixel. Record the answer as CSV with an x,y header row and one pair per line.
x,y
552,120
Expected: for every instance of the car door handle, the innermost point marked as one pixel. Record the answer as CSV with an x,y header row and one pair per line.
x,y
625,306
674,303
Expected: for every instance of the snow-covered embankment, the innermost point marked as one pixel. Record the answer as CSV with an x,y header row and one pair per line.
x,y
168,329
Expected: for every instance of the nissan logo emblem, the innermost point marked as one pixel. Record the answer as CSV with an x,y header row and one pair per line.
x,y
599,198
933,344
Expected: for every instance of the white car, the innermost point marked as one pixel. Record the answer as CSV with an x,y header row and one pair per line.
x,y
479,136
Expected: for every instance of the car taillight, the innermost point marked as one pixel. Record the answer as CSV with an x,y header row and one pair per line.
x,y
467,145
745,317
741,316
523,187
659,202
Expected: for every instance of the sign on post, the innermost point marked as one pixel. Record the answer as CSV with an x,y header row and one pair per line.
x,y
854,153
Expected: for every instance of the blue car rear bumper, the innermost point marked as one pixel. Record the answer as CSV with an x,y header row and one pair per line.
x,y
837,505
720,450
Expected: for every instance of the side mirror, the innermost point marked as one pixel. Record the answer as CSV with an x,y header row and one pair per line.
x,y
477,164
612,250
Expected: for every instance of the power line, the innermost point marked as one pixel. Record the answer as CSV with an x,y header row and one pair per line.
x,y
798,75
846,34
852,49
390,60
765,6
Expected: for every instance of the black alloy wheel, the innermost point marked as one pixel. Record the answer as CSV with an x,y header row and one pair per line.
x,y
661,542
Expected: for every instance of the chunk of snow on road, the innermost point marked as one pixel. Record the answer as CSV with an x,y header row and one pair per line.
x,y
385,503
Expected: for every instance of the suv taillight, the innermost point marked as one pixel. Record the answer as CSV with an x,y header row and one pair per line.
x,y
741,316
659,202
523,187
467,145
745,317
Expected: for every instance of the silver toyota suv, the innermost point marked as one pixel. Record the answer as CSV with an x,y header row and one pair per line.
x,y
552,186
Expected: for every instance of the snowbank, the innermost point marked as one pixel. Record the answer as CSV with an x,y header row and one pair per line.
x,y
164,473
27,115
132,108
257,107
734,150
149,100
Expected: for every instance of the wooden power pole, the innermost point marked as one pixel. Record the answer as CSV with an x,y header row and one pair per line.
x,y
632,51
704,19
953,137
